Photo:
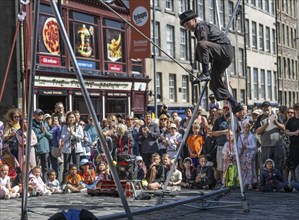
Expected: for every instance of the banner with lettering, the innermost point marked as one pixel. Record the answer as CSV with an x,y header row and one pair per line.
x,y
140,18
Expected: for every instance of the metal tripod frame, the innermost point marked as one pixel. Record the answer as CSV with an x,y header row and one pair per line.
x,y
87,101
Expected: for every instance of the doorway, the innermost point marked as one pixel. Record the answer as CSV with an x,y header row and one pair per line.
x,y
47,102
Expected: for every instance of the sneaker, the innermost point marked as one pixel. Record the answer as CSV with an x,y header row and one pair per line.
x,y
202,77
47,193
84,190
7,196
17,195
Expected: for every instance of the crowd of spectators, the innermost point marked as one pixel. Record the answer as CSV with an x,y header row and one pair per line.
x,y
66,155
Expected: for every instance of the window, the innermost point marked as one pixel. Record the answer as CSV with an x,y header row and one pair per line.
x,y
182,6
247,38
183,44
260,4
261,36
268,44
253,2
185,91
200,9
157,39
273,7
253,34
273,41
267,7
211,12
274,85
242,96
170,40
283,35
172,88
278,31
169,5
231,68
263,86
248,81
158,85
235,94
221,12
292,37
269,85
230,14
240,59
156,3
288,36
239,19
255,83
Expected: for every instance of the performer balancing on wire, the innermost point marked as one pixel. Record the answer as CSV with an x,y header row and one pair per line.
x,y
214,47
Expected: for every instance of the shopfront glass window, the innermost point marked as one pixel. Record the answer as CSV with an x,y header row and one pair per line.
x,y
84,38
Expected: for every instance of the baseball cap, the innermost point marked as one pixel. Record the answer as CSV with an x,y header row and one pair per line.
x,y
266,103
139,158
188,159
47,116
37,111
172,125
83,162
257,111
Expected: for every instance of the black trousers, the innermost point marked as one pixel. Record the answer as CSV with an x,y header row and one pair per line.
x,y
220,57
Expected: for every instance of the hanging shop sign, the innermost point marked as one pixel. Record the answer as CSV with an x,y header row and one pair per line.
x,y
140,17
49,60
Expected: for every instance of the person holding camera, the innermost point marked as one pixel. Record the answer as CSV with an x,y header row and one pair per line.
x,y
71,137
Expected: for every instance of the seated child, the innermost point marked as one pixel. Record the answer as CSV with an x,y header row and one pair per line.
x,y
36,184
175,179
195,143
205,175
86,172
189,173
166,161
271,179
52,183
6,191
74,181
102,172
156,173
141,168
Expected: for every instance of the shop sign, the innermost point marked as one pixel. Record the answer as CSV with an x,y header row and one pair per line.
x,y
86,64
47,92
43,81
115,67
91,94
138,86
48,60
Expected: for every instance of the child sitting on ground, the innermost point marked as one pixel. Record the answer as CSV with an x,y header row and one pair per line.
x,y
175,179
36,184
156,173
189,173
141,168
271,179
205,175
102,172
52,183
86,172
74,181
6,191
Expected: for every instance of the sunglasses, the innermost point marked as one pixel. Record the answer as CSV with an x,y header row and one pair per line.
x,y
16,116
291,112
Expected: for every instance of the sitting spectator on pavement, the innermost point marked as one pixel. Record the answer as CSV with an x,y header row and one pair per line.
x,y
37,185
175,180
6,191
156,173
141,168
52,183
87,173
188,173
74,181
205,175
271,178
102,172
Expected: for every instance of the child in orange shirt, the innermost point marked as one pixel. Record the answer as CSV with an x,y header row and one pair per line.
x,y
86,173
74,181
195,143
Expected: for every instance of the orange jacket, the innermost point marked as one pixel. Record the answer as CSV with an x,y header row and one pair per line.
x,y
195,143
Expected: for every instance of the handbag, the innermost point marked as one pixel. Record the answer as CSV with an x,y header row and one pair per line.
x,y
12,143
55,152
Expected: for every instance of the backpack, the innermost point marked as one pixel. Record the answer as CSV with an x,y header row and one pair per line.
x,y
231,178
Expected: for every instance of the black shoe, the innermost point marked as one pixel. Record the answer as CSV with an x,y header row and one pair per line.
x,y
202,77
238,107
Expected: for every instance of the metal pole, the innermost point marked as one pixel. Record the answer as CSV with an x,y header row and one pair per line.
x,y
245,205
186,134
132,26
91,109
154,60
170,205
24,214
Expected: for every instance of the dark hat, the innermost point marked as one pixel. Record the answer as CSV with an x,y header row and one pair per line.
x,y
266,103
37,111
212,96
187,16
